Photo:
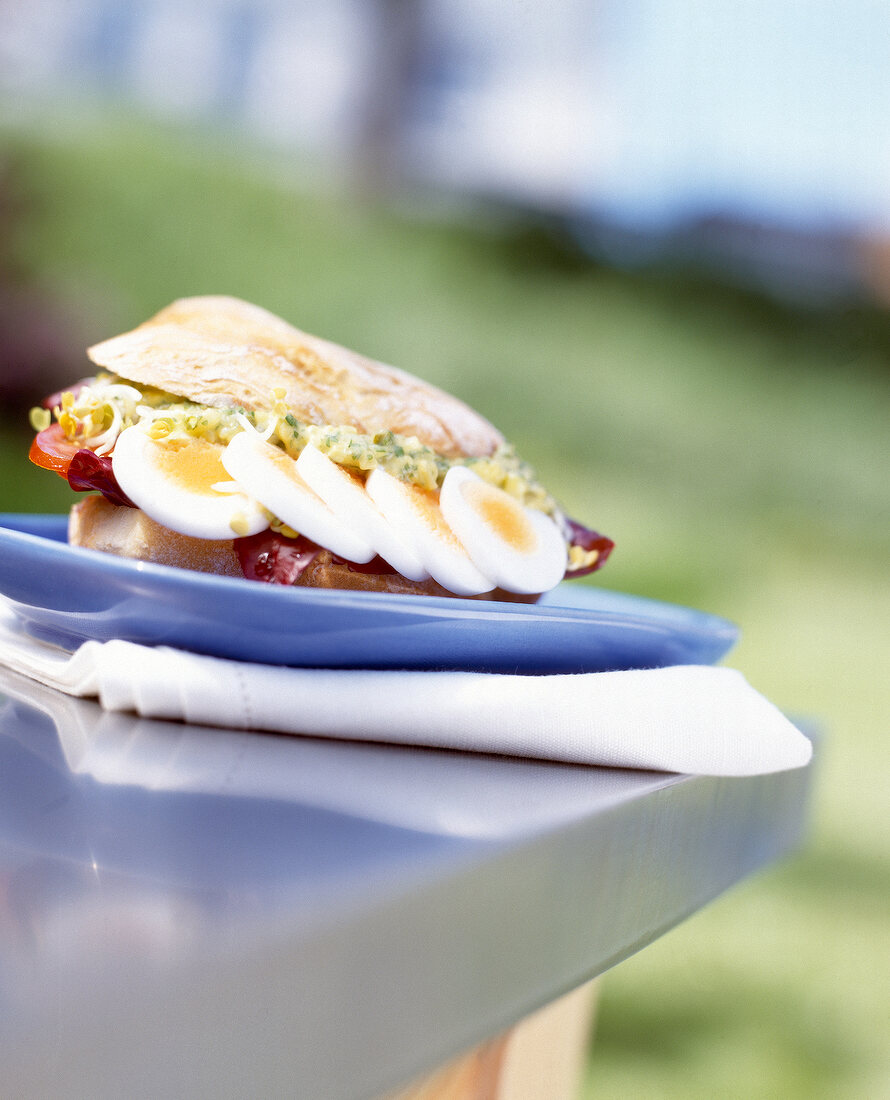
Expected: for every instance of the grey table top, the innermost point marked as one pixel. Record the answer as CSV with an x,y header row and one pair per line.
x,y
197,912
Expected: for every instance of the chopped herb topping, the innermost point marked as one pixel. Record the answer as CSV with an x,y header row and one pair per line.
x,y
101,410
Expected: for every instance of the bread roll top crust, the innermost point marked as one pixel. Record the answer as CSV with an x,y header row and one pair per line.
x,y
222,351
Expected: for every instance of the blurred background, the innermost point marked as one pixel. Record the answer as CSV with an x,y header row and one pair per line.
x,y
651,241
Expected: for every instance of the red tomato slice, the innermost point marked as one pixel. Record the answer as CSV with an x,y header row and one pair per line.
x,y
53,450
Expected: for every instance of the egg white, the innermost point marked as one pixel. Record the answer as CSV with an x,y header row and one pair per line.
x,y
416,515
520,548
346,496
272,477
172,481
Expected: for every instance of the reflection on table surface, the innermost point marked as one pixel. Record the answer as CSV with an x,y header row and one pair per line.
x,y
145,830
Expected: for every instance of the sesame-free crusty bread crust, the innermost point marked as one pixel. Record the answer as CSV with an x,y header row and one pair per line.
x,y
129,533
222,351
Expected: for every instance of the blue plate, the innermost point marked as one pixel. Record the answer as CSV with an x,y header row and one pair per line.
x,y
67,595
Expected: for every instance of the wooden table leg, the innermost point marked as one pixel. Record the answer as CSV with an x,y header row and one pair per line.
x,y
542,1056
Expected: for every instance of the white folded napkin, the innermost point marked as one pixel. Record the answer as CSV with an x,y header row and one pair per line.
x,y
687,718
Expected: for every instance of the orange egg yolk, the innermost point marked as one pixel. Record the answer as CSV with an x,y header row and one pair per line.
x,y
501,515
193,464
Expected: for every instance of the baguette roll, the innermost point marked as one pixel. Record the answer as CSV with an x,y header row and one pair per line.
x,y
217,418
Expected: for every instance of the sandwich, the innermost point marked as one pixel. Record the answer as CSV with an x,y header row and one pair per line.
x,y
217,437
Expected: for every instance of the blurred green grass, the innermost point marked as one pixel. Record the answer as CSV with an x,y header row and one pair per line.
x,y
737,453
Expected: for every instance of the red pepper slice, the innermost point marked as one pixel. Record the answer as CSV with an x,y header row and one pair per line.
x,y
91,472
82,468
272,558
276,559
588,540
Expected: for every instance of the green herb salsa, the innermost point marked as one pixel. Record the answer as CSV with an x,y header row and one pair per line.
x,y
110,404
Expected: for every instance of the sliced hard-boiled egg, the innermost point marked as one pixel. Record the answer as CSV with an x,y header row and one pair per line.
x,y
415,513
177,482
271,476
521,549
345,494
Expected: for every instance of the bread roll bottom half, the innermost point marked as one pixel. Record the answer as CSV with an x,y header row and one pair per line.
x,y
97,524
